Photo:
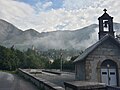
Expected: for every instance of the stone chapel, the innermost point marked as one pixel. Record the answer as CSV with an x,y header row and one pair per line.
x,y
101,61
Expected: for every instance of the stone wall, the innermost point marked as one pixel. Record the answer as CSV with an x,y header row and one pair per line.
x,y
80,71
83,85
39,82
107,50
75,85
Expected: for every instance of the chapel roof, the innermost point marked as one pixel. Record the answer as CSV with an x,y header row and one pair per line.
x,y
94,46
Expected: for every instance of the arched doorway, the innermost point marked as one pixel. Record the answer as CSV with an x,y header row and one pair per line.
x,y
109,72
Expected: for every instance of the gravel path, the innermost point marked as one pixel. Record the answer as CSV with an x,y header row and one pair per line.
x,y
13,82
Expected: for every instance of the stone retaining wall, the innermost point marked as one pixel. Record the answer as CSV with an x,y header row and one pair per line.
x,y
39,82
84,85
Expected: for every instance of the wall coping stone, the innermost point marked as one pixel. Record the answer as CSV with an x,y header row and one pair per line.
x,y
79,85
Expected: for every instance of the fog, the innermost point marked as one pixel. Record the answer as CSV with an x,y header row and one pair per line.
x,y
63,40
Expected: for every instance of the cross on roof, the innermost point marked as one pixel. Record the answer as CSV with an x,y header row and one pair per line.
x,y
105,10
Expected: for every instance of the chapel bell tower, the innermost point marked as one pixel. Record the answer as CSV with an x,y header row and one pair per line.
x,y
105,25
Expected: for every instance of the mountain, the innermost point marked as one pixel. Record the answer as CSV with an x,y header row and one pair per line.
x,y
76,39
7,30
11,35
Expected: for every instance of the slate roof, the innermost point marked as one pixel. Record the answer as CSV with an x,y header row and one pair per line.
x,y
94,46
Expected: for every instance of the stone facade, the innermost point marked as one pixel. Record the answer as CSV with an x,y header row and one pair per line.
x,y
105,51
90,68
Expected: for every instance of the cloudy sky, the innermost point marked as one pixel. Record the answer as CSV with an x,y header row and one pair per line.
x,y
52,15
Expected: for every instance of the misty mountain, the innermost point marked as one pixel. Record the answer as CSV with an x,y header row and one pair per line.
x,y
76,39
8,31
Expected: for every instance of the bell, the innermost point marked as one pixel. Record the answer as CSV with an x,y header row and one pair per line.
x,y
105,24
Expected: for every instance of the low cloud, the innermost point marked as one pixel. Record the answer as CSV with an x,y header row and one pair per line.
x,y
64,40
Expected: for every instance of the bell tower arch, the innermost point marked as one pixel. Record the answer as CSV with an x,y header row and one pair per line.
x,y
105,25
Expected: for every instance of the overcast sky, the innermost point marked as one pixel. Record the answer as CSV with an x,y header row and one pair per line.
x,y
52,15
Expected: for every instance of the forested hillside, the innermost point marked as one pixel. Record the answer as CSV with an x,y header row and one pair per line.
x,y
11,59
